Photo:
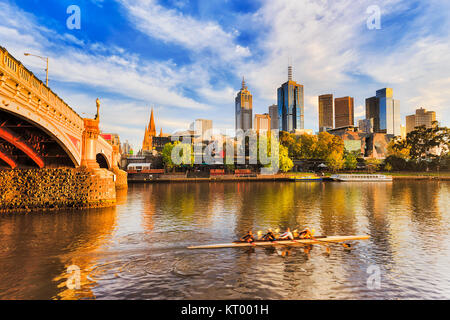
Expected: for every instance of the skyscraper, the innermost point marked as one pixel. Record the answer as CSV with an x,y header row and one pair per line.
x,y
262,122
202,129
273,113
344,112
150,132
422,117
326,112
366,125
385,112
244,106
291,105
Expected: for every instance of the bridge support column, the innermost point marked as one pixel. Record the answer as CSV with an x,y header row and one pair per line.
x,y
121,176
90,136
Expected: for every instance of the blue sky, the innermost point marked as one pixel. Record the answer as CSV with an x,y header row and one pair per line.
x,y
187,58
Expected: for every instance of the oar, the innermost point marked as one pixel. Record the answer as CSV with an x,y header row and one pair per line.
x,y
345,245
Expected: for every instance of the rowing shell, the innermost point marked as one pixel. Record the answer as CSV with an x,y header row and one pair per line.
x,y
320,240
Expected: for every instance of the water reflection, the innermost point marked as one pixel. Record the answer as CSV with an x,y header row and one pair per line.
x,y
36,249
138,249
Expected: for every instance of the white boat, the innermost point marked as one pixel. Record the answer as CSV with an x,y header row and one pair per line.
x,y
361,177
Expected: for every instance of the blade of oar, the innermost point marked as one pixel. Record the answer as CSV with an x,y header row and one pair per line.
x,y
338,242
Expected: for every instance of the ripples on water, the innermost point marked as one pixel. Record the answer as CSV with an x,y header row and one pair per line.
x,y
138,249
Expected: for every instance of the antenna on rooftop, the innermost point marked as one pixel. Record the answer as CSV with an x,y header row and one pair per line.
x,y
289,69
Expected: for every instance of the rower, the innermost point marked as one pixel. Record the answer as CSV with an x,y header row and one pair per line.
x,y
287,235
248,237
269,236
306,234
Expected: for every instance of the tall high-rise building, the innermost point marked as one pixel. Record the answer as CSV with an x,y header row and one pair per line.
x,y
244,106
126,148
365,125
344,110
202,129
422,117
262,122
385,112
291,105
150,132
326,112
273,113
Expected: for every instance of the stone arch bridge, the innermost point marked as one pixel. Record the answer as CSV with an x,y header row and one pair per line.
x,y
38,129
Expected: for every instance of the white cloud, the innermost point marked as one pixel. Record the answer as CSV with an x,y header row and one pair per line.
x,y
328,43
172,26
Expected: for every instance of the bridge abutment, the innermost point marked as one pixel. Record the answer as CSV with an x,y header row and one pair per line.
x,y
64,188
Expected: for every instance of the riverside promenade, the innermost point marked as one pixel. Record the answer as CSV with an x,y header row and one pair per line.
x,y
174,178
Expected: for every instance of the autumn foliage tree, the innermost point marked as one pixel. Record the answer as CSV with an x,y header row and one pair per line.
x,y
307,146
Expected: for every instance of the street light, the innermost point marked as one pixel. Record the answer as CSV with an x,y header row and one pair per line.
x,y
43,58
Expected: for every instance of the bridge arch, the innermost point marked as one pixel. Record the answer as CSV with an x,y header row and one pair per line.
x,y
22,137
102,161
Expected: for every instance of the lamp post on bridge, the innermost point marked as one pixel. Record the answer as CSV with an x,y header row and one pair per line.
x,y
43,58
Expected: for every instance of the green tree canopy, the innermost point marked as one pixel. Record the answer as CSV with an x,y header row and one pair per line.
x,y
428,142
185,157
351,161
335,161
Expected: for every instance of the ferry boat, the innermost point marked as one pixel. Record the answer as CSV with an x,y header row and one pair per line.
x,y
361,177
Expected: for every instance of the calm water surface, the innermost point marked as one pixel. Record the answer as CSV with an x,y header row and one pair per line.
x,y
137,250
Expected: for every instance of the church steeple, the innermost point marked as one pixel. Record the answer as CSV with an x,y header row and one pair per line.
x,y
152,128
150,133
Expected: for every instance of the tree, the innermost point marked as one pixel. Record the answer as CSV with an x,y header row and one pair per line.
x,y
327,143
286,163
335,161
306,146
373,164
388,167
184,156
398,148
167,155
428,142
351,161
288,140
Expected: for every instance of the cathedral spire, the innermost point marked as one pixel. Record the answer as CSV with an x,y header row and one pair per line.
x,y
152,128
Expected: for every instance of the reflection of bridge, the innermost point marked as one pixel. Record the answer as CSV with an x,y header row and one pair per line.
x,y
38,129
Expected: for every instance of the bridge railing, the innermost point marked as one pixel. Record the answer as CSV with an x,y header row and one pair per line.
x,y
49,101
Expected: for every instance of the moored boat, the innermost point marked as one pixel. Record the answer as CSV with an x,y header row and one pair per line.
x,y
361,177
306,178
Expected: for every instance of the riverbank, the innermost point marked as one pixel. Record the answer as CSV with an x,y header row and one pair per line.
x,y
174,178
222,178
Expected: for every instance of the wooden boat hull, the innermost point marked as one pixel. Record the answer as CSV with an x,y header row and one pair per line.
x,y
322,240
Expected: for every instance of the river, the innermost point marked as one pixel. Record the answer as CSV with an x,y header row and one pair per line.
x,y
137,250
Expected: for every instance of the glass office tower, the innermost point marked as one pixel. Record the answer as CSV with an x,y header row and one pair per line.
x,y
291,105
385,112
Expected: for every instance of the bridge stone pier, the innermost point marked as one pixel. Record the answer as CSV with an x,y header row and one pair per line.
x,y
38,130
